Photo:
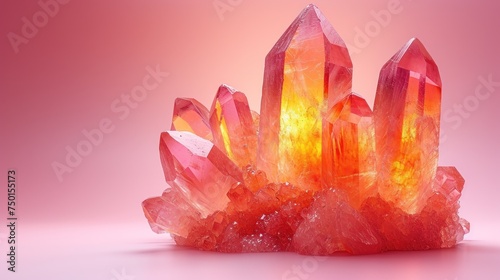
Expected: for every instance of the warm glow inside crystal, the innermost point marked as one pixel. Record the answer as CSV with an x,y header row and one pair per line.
x,y
317,172
407,111
352,164
307,72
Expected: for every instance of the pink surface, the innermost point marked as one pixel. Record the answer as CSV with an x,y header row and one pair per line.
x,y
92,78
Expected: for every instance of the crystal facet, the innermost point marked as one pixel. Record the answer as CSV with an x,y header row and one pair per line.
x,y
317,172
233,126
170,213
191,115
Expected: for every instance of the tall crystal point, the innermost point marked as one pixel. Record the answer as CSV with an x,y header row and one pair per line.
x,y
407,111
306,72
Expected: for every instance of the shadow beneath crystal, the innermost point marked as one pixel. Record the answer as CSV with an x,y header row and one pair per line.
x,y
465,246
466,258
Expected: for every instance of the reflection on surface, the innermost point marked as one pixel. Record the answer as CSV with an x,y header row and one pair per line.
x,y
114,252
469,260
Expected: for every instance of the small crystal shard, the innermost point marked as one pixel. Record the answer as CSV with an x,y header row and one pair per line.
x,y
307,71
198,169
233,126
317,172
170,213
449,182
349,163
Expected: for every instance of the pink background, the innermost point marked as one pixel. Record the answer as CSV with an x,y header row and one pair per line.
x,y
65,78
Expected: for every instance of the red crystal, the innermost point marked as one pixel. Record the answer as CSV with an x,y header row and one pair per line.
x,y
191,115
407,111
198,170
317,172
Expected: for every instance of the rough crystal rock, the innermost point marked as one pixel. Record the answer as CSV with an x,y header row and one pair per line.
x,y
317,172
332,225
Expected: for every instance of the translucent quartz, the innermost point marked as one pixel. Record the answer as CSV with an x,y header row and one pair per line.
x,y
197,169
307,71
407,111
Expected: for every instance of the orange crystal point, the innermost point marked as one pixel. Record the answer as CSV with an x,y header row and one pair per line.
x,y
407,111
191,115
349,159
197,169
307,71
233,126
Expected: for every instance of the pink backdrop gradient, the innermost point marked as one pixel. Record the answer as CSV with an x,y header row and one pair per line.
x,y
67,76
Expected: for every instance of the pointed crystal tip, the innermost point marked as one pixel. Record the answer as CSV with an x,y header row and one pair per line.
x,y
310,23
414,57
191,115
228,88
311,8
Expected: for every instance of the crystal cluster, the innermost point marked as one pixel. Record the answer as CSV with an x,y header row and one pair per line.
x,y
317,172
